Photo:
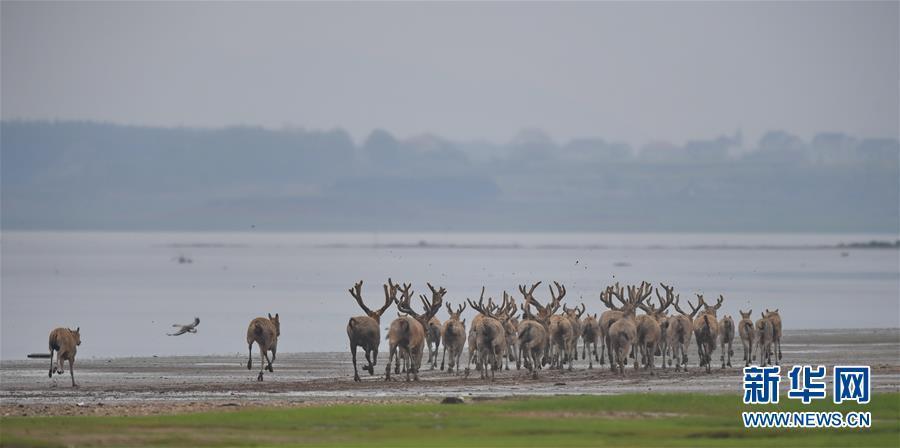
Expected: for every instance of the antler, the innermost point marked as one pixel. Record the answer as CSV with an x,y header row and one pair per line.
x,y
606,299
403,304
356,292
617,292
390,295
719,302
583,309
480,307
560,293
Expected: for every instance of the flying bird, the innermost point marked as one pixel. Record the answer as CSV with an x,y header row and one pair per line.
x,y
189,328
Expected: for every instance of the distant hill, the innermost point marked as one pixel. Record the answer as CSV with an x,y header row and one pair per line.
x,y
82,175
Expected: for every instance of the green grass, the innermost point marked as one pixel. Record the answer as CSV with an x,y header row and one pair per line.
x,y
620,420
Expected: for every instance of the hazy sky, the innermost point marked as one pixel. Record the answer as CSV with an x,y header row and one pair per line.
x,y
635,72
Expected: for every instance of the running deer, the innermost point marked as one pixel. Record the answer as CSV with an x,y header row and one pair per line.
x,y
433,336
65,343
454,336
574,316
364,331
264,332
490,338
765,337
623,332
511,325
681,330
706,331
407,333
608,317
590,334
748,336
776,328
534,338
649,330
726,334
562,334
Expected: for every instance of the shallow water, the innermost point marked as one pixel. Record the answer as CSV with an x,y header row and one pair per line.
x,y
126,289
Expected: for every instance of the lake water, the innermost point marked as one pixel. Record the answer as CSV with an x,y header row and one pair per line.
x,y
126,289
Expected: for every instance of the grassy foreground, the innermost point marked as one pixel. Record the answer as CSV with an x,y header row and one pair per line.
x,y
621,420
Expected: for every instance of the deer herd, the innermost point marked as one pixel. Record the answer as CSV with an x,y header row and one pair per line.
x,y
537,336
543,335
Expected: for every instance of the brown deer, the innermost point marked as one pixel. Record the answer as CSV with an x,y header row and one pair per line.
x,y
433,336
490,338
511,325
561,332
726,334
65,343
623,332
608,317
649,330
454,337
666,325
706,331
748,335
681,330
765,337
407,333
534,338
574,316
265,333
776,328
364,331
590,334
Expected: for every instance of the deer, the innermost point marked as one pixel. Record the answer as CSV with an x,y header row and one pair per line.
x,y
453,334
490,337
574,316
64,342
666,325
590,334
623,332
364,331
748,335
726,336
706,331
765,337
264,332
649,330
608,317
407,333
534,338
511,325
433,337
562,334
681,329
776,328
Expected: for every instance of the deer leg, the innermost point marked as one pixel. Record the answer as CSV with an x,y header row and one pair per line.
x,y
51,363
272,361
370,366
262,365
353,355
250,356
72,370
387,371
59,363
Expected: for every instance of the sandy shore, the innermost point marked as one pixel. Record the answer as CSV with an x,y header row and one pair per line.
x,y
139,386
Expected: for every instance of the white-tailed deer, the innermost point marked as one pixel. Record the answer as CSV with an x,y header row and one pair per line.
x,y
608,317
649,330
681,330
490,337
454,337
748,336
65,343
726,334
776,328
590,334
706,331
623,332
364,331
765,337
265,333
534,338
407,333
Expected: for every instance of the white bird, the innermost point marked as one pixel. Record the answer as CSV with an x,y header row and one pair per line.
x,y
189,328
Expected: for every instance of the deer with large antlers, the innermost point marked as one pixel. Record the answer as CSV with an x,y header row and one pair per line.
x,y
726,336
511,326
681,330
748,336
561,332
454,336
364,331
533,332
623,332
590,334
574,315
433,335
706,331
490,337
407,333
608,317
649,330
